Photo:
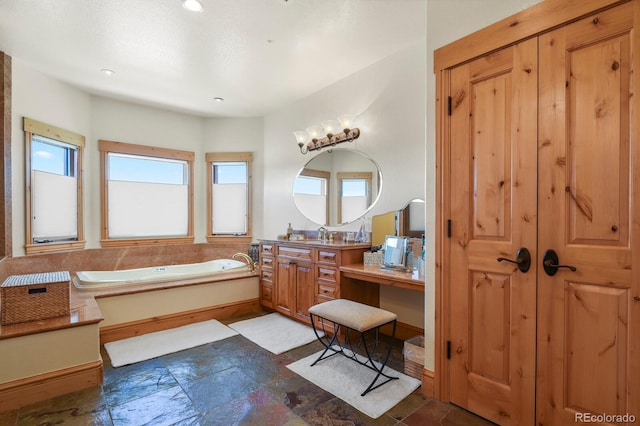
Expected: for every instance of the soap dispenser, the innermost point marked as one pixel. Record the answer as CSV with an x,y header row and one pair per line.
x,y
289,231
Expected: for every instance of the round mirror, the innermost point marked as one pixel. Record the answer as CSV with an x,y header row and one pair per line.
x,y
337,187
411,219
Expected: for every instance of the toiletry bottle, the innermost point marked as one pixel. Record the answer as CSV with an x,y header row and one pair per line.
x,y
289,231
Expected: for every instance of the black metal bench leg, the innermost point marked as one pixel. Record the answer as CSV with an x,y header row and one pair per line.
x,y
327,346
374,367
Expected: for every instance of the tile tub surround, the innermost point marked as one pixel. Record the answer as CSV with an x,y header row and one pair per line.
x,y
117,258
232,381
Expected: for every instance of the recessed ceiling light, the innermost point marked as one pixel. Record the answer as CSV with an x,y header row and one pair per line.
x,y
218,99
193,5
107,71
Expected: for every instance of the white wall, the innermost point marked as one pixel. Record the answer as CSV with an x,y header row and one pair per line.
x,y
389,100
240,135
447,21
42,98
45,99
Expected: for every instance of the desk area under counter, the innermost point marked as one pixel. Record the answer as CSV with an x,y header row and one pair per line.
x,y
364,283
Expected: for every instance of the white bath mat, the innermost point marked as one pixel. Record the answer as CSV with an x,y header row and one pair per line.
x,y
275,333
347,379
147,346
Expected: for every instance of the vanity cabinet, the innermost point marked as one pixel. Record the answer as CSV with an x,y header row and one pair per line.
x,y
297,275
266,274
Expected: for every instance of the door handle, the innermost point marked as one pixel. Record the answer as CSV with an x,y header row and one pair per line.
x,y
550,263
523,259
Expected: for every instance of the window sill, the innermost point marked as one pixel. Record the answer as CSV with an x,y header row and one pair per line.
x,y
128,242
54,247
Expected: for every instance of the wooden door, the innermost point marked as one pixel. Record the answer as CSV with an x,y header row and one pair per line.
x,y
304,288
493,214
589,319
285,286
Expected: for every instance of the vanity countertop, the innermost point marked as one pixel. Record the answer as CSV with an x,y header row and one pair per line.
x,y
376,274
318,243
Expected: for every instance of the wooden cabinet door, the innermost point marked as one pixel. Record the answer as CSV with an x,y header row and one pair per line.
x,y
285,286
589,214
492,132
304,290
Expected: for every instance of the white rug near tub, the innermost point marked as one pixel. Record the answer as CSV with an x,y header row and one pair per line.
x,y
347,379
275,333
147,346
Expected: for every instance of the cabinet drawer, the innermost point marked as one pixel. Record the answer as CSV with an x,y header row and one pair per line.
x,y
329,290
266,275
331,257
266,262
296,252
326,274
267,249
266,293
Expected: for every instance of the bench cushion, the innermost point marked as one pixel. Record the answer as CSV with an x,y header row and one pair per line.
x,y
357,316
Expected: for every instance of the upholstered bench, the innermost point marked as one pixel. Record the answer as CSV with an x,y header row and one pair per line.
x,y
353,317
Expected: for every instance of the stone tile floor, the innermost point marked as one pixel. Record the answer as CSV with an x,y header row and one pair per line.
x,y
229,382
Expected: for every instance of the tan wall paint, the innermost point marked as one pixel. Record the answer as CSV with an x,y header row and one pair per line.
x,y
40,353
133,307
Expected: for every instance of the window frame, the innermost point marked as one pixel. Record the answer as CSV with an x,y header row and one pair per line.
x,y
33,127
106,147
342,176
326,176
231,157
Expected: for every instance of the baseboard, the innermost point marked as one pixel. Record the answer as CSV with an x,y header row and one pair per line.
x,y
428,382
19,393
114,332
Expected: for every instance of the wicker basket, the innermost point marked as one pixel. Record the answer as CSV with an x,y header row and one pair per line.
x,y
34,297
414,357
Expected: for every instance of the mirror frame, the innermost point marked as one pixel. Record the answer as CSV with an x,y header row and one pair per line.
x,y
373,198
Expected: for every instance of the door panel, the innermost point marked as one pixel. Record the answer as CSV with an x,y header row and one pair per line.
x,y
285,286
305,293
489,300
598,149
493,213
585,318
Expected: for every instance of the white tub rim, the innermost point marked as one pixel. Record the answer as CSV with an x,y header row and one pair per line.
x,y
82,279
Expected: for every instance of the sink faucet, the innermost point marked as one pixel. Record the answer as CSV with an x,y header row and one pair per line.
x,y
322,233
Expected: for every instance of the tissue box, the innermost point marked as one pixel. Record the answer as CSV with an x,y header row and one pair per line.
x,y
34,297
414,357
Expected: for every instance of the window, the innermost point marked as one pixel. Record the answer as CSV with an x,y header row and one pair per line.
x,y
229,196
312,194
147,195
355,195
54,188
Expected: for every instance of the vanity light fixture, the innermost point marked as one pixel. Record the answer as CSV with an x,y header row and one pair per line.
x,y
193,5
329,134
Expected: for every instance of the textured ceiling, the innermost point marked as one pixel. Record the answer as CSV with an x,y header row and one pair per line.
x,y
256,54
